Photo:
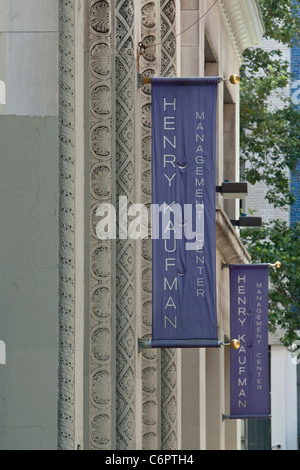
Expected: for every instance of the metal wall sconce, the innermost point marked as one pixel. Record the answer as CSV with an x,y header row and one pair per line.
x,y
231,190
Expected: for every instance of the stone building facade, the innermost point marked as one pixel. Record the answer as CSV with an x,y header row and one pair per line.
x,y
136,400
110,396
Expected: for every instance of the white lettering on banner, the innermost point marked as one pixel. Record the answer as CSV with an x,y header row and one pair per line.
x,y
170,207
199,197
243,314
259,336
166,104
199,185
169,123
242,317
172,230
198,243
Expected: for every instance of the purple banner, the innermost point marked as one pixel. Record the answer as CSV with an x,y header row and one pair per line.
x,y
183,212
249,366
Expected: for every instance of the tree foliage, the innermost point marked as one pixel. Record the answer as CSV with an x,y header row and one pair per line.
x,y
270,137
279,242
270,150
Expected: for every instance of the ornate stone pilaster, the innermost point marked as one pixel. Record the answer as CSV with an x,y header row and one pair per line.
x,y
66,322
168,38
102,253
150,36
126,89
112,148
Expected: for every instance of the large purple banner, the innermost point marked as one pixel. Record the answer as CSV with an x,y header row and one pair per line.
x,y
249,366
183,212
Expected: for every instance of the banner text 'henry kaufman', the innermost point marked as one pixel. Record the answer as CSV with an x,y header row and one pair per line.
x,y
249,367
184,246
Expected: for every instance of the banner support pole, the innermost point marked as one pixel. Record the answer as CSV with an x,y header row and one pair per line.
x,y
276,265
233,79
234,344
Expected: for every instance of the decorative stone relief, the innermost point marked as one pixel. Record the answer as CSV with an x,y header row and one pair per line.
x,y
112,317
102,299
150,358
126,86
100,17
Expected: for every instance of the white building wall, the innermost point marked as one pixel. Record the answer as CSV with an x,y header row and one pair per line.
x,y
28,55
283,391
255,200
283,399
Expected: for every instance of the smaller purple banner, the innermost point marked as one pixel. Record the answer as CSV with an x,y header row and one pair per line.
x,y
249,366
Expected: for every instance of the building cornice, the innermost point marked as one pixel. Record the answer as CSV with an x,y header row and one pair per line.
x,y
229,244
243,22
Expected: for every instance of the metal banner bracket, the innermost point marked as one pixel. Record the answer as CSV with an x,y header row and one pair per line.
x,y
233,79
143,344
226,417
234,344
276,265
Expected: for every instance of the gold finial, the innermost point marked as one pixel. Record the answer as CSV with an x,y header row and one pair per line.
x,y
146,80
276,265
235,344
234,79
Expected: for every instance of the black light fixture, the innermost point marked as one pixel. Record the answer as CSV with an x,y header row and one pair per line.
x,y
231,190
247,222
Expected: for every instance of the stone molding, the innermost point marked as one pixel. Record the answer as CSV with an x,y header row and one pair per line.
x,y
229,244
243,22
66,320
102,398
